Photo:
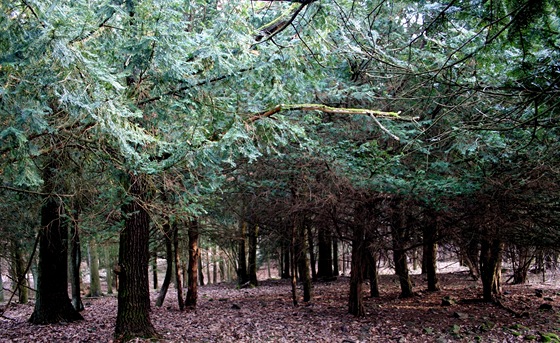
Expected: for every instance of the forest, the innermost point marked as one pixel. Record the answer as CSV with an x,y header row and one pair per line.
x,y
298,162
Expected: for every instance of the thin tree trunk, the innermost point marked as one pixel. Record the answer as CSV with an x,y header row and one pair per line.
x,y
20,279
169,264
133,313
200,273
192,288
209,281
214,265
286,248
356,298
1,284
336,271
109,268
252,266
429,256
75,261
95,283
293,266
490,268
325,267
310,248
242,274
176,255
303,263
155,282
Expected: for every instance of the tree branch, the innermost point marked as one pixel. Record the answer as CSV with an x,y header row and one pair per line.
x,y
374,114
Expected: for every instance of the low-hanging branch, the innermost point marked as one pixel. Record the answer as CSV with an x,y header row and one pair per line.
x,y
374,114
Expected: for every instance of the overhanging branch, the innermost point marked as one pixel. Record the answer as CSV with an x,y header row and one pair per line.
x,y
374,114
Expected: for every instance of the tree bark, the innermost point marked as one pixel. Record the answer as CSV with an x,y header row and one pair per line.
x,y
521,262
356,297
286,258
169,264
490,268
20,270
192,287
429,256
252,266
311,249
303,264
336,271
52,304
325,264
177,263
399,254
155,280
95,283
75,261
242,275
133,313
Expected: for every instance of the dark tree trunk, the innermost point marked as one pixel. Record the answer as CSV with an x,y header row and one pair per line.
x,y
303,263
399,254
371,256
20,279
325,265
52,304
176,261
490,268
200,273
293,265
242,275
286,258
356,297
470,255
336,272
194,255
521,262
310,247
252,267
155,282
108,263
169,264
429,256
75,261
133,313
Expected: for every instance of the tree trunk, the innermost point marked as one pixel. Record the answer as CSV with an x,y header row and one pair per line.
x,y
252,266
356,297
52,304
108,263
155,282
20,270
399,254
490,268
75,261
336,271
133,313
176,261
214,265
429,256
293,266
325,264
286,248
169,264
192,287
242,275
200,273
1,284
95,283
372,268
303,264
521,262
311,249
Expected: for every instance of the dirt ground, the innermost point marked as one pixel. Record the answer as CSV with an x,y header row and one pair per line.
x,y
266,314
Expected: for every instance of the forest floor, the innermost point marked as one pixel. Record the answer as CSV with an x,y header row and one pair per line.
x,y
266,314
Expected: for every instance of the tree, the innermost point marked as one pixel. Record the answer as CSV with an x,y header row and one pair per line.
x,y
133,315
52,304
